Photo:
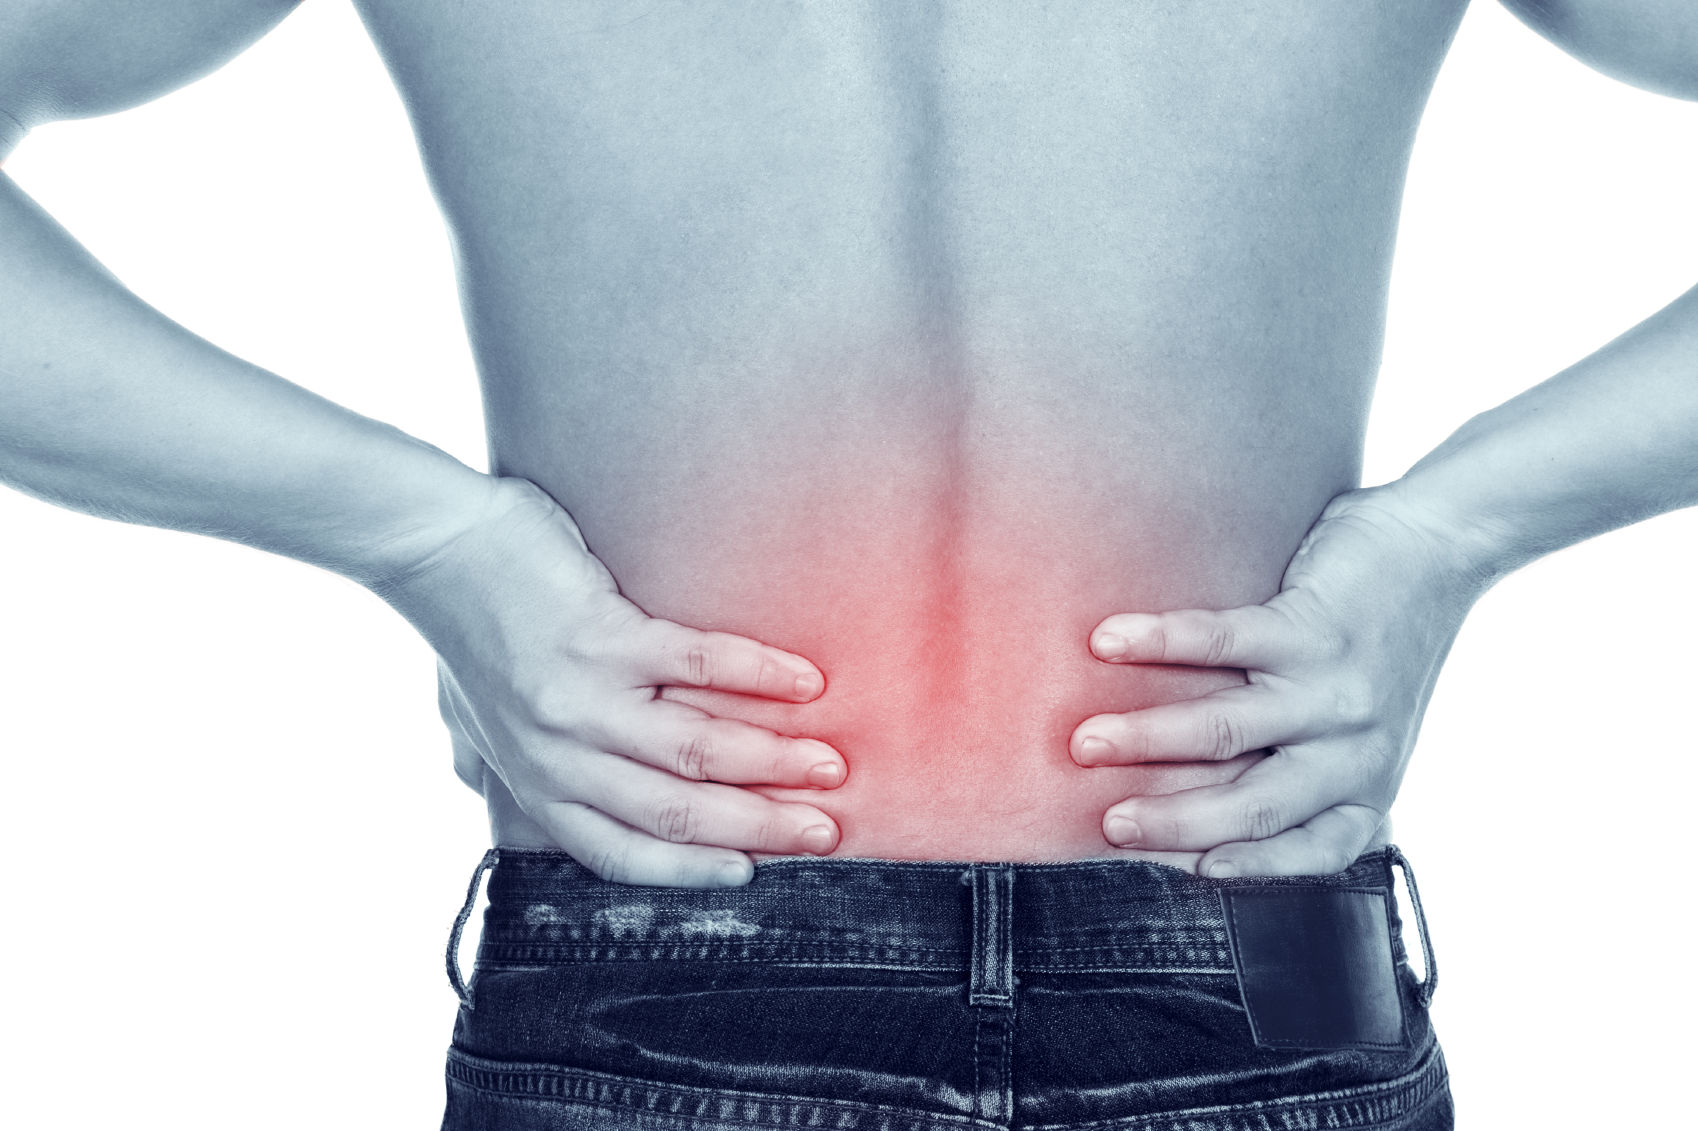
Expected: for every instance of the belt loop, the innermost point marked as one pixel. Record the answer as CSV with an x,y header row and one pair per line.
x,y
489,861
1431,982
991,980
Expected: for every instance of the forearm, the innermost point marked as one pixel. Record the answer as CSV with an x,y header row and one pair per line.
x,y
1608,442
109,407
1340,664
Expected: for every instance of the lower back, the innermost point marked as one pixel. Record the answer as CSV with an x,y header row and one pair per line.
x,y
917,339
943,558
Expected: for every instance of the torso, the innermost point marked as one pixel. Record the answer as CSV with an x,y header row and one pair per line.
x,y
917,338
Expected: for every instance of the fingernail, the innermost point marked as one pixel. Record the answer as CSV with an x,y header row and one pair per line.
x,y
808,686
1109,646
819,839
1222,870
826,775
1095,749
735,873
1122,830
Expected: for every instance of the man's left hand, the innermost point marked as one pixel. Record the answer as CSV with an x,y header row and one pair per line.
x,y
1339,667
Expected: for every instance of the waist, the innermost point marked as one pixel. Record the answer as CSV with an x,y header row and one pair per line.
x,y
976,766
949,602
1119,915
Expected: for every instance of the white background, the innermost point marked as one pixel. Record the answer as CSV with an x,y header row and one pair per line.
x,y
233,840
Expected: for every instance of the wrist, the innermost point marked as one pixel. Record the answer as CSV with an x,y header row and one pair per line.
x,y
1417,533
1463,508
434,502
504,545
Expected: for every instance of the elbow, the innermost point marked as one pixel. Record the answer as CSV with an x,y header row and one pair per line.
x,y
1650,44
12,131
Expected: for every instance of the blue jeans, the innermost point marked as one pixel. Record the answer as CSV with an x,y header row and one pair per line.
x,y
901,996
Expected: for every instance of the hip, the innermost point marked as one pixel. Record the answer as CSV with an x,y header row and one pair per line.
x,y
867,993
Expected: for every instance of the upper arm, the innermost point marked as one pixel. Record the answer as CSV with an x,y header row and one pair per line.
x,y
79,58
1652,44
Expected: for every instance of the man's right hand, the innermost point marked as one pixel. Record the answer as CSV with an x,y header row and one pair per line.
x,y
550,681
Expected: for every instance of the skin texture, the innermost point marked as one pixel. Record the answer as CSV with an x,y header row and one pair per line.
x,y
937,349
1651,44
1015,328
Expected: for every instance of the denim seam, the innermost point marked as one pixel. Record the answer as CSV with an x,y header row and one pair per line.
x,y
774,941
978,1062
489,861
1217,938
997,1111
533,956
513,966
1410,1091
1414,1088
525,858
990,980
1135,958
515,962
1429,982
1222,971
469,1068
1213,971
493,940
1220,947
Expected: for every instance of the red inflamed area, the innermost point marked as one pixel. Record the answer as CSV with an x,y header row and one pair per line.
x,y
953,633
941,541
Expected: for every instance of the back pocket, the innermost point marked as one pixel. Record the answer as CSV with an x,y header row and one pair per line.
x,y
1315,966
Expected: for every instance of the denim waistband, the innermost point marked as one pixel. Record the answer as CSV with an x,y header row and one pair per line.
x,y
1084,916
912,995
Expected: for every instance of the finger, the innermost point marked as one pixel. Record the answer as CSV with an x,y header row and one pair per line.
x,y
617,852
694,745
669,654
1251,637
689,812
1279,793
1152,778
1328,842
1213,727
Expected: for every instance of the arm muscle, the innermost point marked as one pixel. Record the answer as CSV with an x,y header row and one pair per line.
x,y
81,58
1652,44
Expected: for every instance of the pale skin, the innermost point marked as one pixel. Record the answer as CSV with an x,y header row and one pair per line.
x,y
953,377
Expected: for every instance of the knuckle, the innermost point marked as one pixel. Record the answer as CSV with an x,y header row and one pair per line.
x,y
541,694
551,708
674,818
1334,858
1319,648
1317,853
695,755
1354,705
605,638
698,665
1221,645
774,834
1328,639
1222,737
607,861
1261,818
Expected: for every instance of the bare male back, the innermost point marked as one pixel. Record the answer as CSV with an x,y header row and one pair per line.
x,y
917,338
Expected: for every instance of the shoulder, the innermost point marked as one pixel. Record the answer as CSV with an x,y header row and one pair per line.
x,y
79,58
1651,44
